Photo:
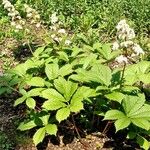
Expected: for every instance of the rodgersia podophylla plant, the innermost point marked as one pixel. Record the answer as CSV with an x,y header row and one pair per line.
x,y
125,41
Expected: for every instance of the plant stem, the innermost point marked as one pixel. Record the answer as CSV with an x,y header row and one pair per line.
x,y
122,76
75,127
108,125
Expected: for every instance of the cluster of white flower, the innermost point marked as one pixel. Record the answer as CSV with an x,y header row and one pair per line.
x,y
58,34
125,36
124,31
33,15
16,19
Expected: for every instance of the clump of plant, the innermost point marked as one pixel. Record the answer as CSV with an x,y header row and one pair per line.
x,y
58,82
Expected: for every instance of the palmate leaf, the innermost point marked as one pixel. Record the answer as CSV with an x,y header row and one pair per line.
x,y
135,111
67,88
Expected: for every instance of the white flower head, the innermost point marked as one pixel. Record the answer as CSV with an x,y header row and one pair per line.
x,y
67,42
121,24
62,31
115,46
121,59
126,44
54,18
137,49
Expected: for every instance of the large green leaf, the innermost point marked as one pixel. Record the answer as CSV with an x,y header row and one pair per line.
x,y
114,115
65,70
70,89
62,114
30,102
38,51
26,126
101,74
60,84
132,104
36,81
35,92
39,135
51,129
122,123
53,104
52,95
52,71
19,100
76,106
115,96
141,122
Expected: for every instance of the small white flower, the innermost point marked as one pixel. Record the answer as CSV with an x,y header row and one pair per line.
x,y
57,39
12,14
121,59
62,31
37,16
19,27
32,21
53,36
115,46
38,25
122,36
130,34
126,44
22,22
29,15
53,28
137,49
13,23
67,42
54,18
18,17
